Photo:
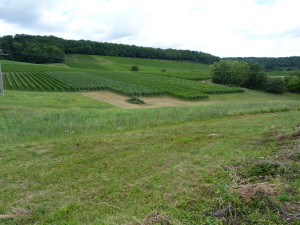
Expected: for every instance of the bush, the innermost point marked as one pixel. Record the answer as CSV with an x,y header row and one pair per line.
x,y
134,68
275,85
163,70
135,101
238,73
293,84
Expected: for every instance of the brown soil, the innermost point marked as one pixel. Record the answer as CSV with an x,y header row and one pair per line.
x,y
247,191
18,212
150,102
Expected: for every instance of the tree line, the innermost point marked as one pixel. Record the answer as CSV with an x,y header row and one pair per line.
x,y
252,76
270,63
51,49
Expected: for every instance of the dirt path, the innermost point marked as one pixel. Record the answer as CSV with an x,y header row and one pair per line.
x,y
151,102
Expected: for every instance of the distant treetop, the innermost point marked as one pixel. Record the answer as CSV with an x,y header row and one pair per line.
x,y
50,49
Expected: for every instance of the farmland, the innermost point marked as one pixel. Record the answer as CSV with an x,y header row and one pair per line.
x,y
66,158
92,73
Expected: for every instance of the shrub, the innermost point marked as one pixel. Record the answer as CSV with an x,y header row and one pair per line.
x,y
134,68
163,70
275,85
263,168
238,73
293,84
135,101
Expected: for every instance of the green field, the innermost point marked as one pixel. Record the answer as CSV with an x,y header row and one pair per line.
x,y
88,72
280,73
66,158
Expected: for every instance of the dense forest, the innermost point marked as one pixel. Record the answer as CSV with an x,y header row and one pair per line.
x,y
280,63
51,49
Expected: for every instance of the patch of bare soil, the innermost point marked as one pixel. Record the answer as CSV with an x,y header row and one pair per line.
x,y
290,211
155,218
150,102
18,212
247,191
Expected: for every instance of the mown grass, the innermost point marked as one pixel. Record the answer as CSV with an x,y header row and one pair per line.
x,y
69,159
185,70
173,172
26,117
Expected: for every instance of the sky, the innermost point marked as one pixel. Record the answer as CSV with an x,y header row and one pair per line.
x,y
225,28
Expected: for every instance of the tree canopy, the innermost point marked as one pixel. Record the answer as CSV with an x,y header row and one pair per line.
x,y
48,49
272,63
238,73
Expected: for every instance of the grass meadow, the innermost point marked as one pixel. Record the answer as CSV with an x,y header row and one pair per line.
x,y
68,159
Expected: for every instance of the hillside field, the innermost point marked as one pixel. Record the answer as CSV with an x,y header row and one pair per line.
x,y
230,156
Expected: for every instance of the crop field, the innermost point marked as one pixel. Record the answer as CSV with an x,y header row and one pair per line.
x,y
182,74
86,81
33,81
181,88
94,73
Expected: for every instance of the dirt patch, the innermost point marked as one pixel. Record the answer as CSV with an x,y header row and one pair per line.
x,y
290,211
247,191
150,102
292,136
18,212
156,218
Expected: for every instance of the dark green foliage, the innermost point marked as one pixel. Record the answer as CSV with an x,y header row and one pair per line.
x,y
257,77
135,100
293,84
134,68
238,73
280,63
45,49
30,50
163,70
275,85
264,168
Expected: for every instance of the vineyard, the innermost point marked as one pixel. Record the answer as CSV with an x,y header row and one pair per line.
x,y
181,88
182,75
86,81
99,73
33,81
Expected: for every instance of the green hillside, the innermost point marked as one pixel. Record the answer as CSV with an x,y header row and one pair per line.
x,y
86,72
67,157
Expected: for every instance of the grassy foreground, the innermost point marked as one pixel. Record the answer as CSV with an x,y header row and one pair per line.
x,y
68,159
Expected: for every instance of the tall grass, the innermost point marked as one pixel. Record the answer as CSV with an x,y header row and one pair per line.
x,y
24,125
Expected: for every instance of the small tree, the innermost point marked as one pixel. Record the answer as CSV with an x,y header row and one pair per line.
x,y
293,84
134,68
275,85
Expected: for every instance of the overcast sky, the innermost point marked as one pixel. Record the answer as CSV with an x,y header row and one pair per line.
x,y
220,27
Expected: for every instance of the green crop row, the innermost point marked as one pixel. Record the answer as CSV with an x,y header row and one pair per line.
x,y
182,74
181,88
33,81
87,81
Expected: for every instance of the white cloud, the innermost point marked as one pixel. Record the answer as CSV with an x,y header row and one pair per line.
x,y
223,28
